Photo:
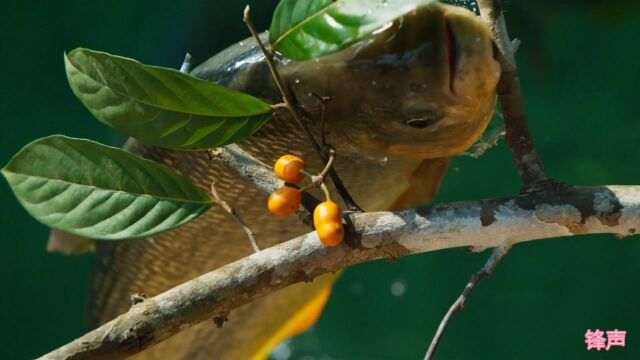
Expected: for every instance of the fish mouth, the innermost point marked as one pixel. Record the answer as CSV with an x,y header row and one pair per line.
x,y
453,50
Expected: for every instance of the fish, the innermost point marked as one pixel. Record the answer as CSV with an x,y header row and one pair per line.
x,y
403,102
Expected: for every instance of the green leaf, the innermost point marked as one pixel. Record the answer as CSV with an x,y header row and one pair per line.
x,y
101,192
306,29
162,106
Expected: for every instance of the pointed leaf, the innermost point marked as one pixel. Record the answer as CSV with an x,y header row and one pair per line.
x,y
306,29
101,192
162,106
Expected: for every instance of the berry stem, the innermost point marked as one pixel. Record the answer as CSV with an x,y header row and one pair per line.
x,y
328,166
325,189
306,187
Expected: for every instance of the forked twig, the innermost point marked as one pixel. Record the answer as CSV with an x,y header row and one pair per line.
x,y
485,271
231,211
290,105
319,179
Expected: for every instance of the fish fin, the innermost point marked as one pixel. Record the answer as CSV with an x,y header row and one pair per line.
x,y
300,322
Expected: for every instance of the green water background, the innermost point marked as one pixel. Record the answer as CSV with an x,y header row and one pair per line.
x,y
580,68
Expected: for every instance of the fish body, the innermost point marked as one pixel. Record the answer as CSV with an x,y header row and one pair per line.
x,y
403,102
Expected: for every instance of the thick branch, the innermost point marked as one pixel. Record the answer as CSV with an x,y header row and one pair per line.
x,y
556,212
518,136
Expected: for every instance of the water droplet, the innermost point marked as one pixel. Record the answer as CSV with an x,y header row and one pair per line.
x,y
241,43
398,287
297,81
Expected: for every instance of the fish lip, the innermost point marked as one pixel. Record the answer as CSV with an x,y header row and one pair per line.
x,y
453,48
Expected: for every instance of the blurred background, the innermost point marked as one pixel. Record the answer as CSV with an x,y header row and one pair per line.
x,y
580,68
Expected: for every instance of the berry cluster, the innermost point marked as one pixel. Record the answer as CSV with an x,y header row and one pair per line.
x,y
327,216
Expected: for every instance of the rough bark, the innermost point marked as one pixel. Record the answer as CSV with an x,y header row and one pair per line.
x,y
555,212
518,136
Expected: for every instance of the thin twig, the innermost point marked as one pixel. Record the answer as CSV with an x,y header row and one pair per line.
x,y
290,105
485,271
185,68
323,104
518,136
286,97
231,211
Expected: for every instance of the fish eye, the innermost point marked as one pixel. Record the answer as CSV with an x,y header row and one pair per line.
x,y
420,122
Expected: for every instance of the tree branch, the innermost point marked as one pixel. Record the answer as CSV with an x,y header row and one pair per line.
x,y
518,136
555,212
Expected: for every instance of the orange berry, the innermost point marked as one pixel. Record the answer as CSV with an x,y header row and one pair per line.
x,y
285,201
330,233
327,218
325,212
289,167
